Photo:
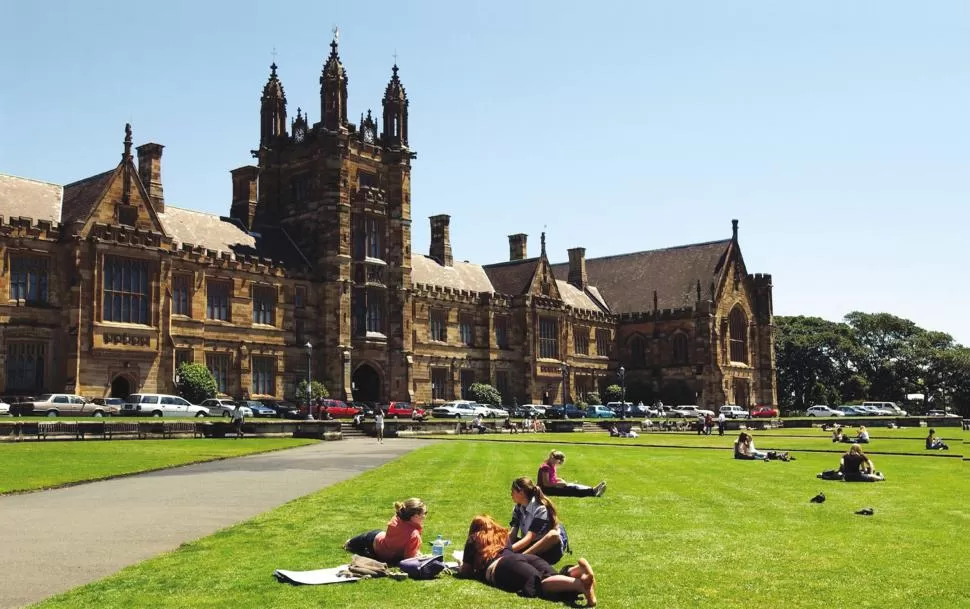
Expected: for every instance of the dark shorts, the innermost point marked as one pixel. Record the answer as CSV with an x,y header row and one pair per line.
x,y
522,574
363,544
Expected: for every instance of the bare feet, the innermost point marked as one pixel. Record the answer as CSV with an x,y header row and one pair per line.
x,y
589,582
601,488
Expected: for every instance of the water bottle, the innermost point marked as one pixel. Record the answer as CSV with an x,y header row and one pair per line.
x,y
438,547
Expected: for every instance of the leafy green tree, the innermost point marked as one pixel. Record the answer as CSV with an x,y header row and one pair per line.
x,y
593,398
886,354
613,393
483,393
815,359
194,382
317,390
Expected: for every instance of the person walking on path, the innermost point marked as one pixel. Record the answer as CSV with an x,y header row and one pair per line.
x,y
379,424
238,418
721,419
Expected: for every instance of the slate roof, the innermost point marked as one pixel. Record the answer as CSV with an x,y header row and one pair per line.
x,y
80,197
22,197
578,299
627,281
224,235
513,277
461,276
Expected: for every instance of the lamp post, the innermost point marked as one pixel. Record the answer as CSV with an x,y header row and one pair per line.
x,y
309,377
621,373
565,383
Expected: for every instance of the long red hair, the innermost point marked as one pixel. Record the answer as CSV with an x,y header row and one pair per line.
x,y
487,538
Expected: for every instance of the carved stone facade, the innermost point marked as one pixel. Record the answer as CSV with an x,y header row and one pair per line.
x,y
107,288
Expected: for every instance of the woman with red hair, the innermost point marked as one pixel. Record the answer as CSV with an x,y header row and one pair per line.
x,y
488,558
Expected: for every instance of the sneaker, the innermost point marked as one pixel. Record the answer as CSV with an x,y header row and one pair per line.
x,y
601,488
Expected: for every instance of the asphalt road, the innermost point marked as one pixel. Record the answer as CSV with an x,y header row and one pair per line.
x,y
52,541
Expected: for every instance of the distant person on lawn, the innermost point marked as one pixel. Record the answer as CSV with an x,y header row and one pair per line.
x,y
934,443
379,425
857,467
238,418
552,485
744,448
401,540
535,527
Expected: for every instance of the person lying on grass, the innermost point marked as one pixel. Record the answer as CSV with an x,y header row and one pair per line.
x,y
401,540
488,558
857,467
535,527
552,485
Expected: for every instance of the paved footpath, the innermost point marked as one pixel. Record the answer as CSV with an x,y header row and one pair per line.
x,y
52,541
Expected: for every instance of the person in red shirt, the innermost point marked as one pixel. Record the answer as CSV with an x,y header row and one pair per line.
x,y
401,540
551,484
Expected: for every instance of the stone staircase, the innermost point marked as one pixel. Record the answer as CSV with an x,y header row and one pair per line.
x,y
348,431
593,427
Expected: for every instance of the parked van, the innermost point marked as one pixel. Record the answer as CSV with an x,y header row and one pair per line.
x,y
890,407
733,411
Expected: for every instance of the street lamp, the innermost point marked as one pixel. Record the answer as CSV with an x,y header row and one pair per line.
x,y
565,383
621,373
309,377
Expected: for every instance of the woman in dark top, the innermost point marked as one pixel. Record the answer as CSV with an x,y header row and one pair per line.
x,y
535,527
488,558
857,467
934,443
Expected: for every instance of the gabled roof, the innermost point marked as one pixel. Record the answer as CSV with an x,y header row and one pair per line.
x,y
578,299
512,278
81,197
460,276
22,197
224,235
627,281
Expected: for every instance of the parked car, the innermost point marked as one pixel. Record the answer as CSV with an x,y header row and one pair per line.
x,y
336,409
691,411
367,408
161,405
116,402
4,408
257,409
525,411
821,410
62,404
283,409
404,410
622,409
733,411
495,412
765,412
455,410
875,410
220,407
599,412
890,408
941,413
565,411
851,411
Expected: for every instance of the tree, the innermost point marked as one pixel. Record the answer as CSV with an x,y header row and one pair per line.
x,y
317,390
593,398
886,357
815,359
613,393
483,393
194,382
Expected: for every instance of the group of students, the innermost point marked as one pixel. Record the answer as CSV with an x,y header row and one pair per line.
x,y
517,558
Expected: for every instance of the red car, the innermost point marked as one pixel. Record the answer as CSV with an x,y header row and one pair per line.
x,y
334,408
766,412
404,410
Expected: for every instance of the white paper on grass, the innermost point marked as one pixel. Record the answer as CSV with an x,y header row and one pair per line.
x,y
317,577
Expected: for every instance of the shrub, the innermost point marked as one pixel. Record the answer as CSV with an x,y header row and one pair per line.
x,y
582,405
614,393
484,393
194,382
593,398
317,390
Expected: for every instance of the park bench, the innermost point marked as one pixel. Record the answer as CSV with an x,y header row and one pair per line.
x,y
121,429
28,429
182,427
57,429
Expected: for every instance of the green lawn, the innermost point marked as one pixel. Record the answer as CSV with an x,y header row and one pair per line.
x,y
676,528
37,465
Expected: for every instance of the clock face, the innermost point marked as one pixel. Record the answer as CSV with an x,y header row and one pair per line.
x,y
368,135
299,133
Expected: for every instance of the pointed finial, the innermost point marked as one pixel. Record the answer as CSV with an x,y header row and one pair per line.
x,y
299,111
542,240
127,140
734,229
336,39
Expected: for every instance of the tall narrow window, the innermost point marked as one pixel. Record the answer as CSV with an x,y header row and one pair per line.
x,y
25,366
181,295
218,365
125,290
638,352
299,297
375,311
439,383
604,342
217,299
467,380
502,332
439,325
681,349
28,279
581,340
548,338
264,375
375,238
264,305
738,323
466,327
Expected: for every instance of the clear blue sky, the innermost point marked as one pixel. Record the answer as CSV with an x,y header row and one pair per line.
x,y
836,132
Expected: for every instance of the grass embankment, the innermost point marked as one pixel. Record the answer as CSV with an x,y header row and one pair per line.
x,y
36,465
676,528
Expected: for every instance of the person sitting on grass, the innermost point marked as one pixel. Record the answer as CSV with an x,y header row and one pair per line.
x,y
862,437
934,443
744,448
477,424
510,426
401,540
838,435
487,558
535,527
552,485
857,467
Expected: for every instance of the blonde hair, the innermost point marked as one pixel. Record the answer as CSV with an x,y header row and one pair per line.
x,y
556,455
406,510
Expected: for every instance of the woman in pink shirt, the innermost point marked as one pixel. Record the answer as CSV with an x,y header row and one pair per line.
x,y
551,484
401,540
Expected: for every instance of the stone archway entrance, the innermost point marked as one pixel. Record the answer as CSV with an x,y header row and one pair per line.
x,y
741,394
367,384
121,386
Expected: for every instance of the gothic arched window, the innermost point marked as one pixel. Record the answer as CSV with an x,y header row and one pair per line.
x,y
738,328
638,353
680,349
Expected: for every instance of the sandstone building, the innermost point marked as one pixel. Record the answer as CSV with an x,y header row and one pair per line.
x,y
105,287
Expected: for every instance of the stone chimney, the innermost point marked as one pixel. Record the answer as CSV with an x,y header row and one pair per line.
x,y
441,239
517,246
243,207
150,172
577,267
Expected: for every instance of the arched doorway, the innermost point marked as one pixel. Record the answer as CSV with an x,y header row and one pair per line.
x,y
367,384
741,393
121,386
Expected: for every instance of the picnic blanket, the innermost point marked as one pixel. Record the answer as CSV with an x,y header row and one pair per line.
x,y
317,577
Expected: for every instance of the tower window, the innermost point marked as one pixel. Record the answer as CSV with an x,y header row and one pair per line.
x,y
125,290
581,340
548,338
738,324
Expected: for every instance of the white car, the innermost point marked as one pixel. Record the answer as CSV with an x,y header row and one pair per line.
x,y
494,412
821,410
875,410
4,408
733,411
457,410
161,405
690,410
221,407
